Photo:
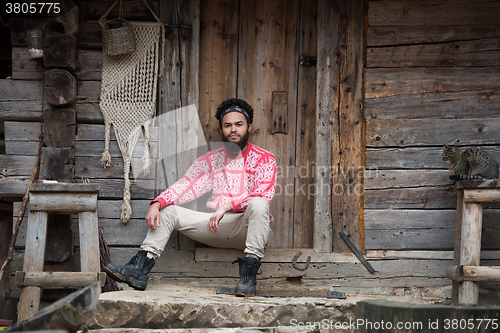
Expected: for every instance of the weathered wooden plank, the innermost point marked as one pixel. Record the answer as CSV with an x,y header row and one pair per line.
x,y
428,132
170,267
96,148
22,131
415,219
481,195
395,81
111,209
411,198
13,186
418,255
11,165
56,279
218,61
303,215
463,104
273,255
66,203
90,167
268,62
118,234
89,241
33,262
20,99
88,112
408,35
410,239
384,179
113,188
412,158
88,91
447,12
90,132
484,274
347,205
327,113
481,52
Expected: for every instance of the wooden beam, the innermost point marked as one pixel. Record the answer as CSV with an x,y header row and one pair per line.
x,y
482,195
347,191
59,279
481,273
327,101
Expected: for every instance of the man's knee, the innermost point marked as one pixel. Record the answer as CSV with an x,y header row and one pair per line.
x,y
258,205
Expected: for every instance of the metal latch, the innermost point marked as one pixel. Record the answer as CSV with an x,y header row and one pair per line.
x,y
307,61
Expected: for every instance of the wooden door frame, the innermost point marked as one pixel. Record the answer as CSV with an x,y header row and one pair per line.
x,y
339,107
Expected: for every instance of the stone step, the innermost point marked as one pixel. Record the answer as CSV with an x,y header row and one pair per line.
x,y
168,306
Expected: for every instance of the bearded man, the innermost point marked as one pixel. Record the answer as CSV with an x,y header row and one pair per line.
x,y
242,178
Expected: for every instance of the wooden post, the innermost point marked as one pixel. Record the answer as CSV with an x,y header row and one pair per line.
x,y
458,235
470,249
89,242
33,261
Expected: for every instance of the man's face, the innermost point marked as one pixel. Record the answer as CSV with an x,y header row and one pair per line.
x,y
235,129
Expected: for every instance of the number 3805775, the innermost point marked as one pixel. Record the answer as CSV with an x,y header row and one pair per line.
x,y
33,8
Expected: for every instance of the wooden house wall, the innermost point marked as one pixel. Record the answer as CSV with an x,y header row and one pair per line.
x,y
432,74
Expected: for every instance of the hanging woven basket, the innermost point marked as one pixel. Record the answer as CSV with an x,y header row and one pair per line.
x,y
118,35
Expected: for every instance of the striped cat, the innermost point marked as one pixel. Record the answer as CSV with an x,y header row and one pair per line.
x,y
471,164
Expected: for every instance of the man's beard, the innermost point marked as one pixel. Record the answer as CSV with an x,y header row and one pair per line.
x,y
236,147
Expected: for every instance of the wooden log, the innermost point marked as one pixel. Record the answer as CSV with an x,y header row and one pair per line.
x,y
63,203
90,167
482,195
59,126
59,51
89,91
11,166
59,279
481,52
57,164
470,249
481,273
428,13
401,133
395,81
60,87
387,179
412,35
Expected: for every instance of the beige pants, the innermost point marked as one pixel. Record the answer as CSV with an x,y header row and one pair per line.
x,y
247,231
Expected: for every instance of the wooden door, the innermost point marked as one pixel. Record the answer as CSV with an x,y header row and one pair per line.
x,y
251,50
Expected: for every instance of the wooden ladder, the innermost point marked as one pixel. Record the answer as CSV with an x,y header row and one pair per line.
x,y
58,198
466,272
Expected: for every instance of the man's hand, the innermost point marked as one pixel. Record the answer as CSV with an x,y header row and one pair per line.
x,y
213,223
153,216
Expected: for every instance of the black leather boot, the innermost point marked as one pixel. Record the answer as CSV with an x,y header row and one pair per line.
x,y
134,273
249,267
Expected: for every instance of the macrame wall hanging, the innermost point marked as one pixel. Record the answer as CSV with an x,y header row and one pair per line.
x,y
128,96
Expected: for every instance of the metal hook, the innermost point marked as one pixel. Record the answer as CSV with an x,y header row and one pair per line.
x,y
294,262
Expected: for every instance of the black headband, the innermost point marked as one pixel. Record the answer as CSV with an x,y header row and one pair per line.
x,y
234,108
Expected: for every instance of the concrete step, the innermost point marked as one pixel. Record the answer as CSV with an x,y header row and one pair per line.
x,y
167,306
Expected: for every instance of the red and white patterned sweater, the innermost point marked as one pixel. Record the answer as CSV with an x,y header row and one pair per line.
x,y
232,179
